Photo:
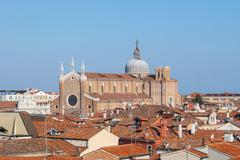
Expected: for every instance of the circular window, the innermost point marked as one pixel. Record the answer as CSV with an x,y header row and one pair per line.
x,y
72,100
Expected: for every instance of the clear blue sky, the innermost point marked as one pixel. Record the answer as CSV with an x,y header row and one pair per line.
x,y
200,40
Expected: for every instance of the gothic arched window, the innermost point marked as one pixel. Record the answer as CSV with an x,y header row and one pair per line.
x,y
102,88
126,88
90,88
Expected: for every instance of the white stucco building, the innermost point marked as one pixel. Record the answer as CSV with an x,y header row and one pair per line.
x,y
33,94
32,101
34,107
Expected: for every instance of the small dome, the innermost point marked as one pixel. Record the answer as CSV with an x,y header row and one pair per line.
x,y
136,66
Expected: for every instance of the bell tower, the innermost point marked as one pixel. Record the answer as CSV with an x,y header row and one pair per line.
x,y
162,73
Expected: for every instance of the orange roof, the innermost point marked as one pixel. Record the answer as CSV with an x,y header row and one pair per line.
x,y
126,150
110,76
180,143
39,158
78,133
227,148
8,104
67,128
35,145
198,153
207,134
119,96
236,158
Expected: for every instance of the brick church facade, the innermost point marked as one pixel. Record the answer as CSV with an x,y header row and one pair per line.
x,y
85,93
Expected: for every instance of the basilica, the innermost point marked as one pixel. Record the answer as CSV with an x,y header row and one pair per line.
x,y
90,92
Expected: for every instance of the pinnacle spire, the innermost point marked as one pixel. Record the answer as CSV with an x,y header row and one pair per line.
x,y
136,52
72,65
61,69
82,68
136,44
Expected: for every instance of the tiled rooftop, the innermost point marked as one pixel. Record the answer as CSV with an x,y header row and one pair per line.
x,y
109,76
39,158
198,153
119,96
126,150
33,145
8,104
67,128
227,148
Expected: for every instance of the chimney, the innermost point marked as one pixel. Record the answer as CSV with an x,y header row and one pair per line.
x,y
108,128
193,129
63,110
228,137
228,115
180,130
105,115
166,145
212,136
196,124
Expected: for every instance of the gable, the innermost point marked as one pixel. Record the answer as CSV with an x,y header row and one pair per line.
x,y
102,139
40,93
100,154
70,75
104,133
229,126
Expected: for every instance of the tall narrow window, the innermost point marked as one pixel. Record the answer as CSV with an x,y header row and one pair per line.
x,y
126,88
102,88
90,88
114,89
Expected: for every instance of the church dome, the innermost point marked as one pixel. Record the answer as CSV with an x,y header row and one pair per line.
x,y
137,66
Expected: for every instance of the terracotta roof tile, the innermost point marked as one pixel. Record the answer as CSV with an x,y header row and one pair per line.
x,y
28,124
200,114
125,129
181,143
8,104
198,153
119,96
81,149
236,158
126,150
227,148
78,133
222,95
34,145
39,158
109,76
67,128
218,134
